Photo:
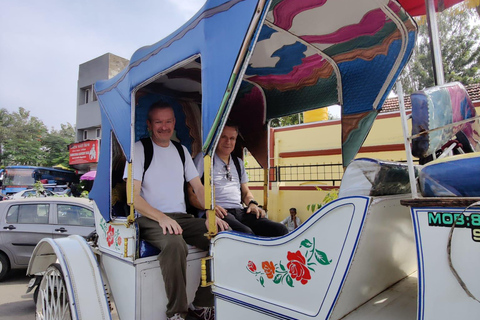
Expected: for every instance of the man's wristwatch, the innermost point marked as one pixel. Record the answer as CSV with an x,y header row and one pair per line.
x,y
254,202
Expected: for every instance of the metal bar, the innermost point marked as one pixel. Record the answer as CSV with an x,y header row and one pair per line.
x,y
408,150
445,126
435,43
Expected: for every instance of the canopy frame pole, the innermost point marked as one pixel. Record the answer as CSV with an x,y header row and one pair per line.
x,y
438,72
407,140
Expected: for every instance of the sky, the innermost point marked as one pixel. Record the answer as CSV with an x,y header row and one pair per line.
x,y
42,43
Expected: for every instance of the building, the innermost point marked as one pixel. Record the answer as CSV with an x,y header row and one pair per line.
x,y
84,152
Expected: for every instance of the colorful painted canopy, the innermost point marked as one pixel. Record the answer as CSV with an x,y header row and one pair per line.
x,y
254,60
417,7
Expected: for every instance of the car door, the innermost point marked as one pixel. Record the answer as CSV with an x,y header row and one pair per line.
x,y
22,227
73,219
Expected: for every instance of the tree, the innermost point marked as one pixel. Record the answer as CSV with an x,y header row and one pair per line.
x,y
459,33
25,140
55,145
287,120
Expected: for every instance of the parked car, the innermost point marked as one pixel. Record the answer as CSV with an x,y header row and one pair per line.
x,y
32,193
24,222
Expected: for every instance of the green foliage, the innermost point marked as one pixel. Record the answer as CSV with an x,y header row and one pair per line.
x,y
25,140
39,188
459,33
287,120
330,196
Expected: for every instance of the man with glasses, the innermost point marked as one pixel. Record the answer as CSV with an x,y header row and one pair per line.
x,y
234,202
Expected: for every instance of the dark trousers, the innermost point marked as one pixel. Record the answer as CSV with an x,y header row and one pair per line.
x,y
173,259
241,221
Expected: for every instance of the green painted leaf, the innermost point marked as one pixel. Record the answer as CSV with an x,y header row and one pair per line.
x,y
289,281
282,267
322,258
262,281
306,243
277,279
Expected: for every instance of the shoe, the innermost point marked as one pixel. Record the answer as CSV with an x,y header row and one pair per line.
x,y
203,313
176,316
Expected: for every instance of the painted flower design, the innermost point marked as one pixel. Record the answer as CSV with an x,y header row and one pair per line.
x,y
269,268
297,267
110,235
119,240
251,266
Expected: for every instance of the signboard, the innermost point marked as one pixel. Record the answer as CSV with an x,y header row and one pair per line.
x,y
84,152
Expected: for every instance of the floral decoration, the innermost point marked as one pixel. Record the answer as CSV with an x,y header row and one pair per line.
x,y
111,234
298,268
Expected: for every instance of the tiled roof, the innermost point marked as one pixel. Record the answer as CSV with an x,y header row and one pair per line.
x,y
391,104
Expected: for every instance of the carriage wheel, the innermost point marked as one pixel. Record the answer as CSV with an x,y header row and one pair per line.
x,y
53,301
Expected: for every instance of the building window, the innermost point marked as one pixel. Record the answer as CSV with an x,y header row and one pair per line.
x,y
87,95
85,134
98,132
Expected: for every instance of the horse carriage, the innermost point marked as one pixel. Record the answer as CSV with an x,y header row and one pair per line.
x,y
359,257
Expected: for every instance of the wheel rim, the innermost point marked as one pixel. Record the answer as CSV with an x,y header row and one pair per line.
x,y
52,301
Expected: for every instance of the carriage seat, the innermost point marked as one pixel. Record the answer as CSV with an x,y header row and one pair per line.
x,y
443,107
145,249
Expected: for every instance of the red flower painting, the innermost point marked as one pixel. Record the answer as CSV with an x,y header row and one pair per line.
x,y
110,235
297,267
251,266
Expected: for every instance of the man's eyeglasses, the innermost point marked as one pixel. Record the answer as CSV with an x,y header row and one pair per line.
x,y
228,174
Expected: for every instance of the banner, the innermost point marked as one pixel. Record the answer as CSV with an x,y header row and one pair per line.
x,y
84,152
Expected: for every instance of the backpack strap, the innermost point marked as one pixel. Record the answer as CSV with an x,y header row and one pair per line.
x,y
181,152
148,152
239,171
237,165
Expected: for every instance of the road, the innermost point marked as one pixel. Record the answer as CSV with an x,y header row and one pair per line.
x,y
15,304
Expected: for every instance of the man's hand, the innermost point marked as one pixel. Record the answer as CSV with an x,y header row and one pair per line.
x,y
170,225
220,212
222,225
254,209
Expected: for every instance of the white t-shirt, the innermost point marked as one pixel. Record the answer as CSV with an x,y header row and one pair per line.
x,y
227,190
162,185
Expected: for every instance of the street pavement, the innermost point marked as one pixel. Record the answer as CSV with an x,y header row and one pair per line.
x,y
15,304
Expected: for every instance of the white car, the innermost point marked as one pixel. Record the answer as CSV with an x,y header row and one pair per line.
x,y
31,193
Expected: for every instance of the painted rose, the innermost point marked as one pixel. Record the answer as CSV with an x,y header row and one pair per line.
x,y
119,240
110,234
296,266
269,269
251,266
